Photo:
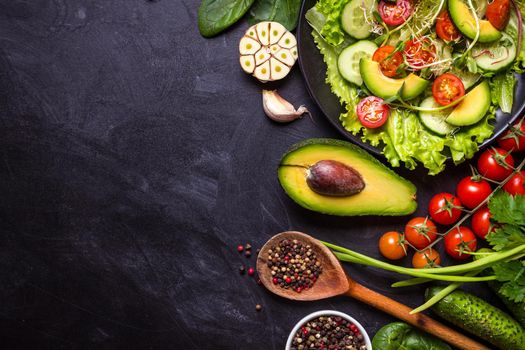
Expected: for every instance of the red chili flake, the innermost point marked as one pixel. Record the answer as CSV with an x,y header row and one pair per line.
x,y
240,248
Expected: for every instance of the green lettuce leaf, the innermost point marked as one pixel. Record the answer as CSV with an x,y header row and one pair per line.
x,y
502,88
332,30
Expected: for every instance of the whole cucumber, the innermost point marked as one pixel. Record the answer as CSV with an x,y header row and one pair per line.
x,y
480,318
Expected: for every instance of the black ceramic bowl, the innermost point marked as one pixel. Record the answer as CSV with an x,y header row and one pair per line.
x,y
314,72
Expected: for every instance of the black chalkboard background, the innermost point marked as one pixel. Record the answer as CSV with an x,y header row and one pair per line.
x,y
134,158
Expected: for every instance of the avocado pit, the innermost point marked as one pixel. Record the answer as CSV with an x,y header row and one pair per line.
x,y
333,178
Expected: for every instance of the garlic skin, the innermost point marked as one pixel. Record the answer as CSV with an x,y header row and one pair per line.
x,y
280,110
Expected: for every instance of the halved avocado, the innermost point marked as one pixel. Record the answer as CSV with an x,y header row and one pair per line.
x,y
473,107
385,87
385,192
465,22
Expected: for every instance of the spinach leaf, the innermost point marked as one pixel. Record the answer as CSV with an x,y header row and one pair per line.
x,y
401,336
217,15
285,12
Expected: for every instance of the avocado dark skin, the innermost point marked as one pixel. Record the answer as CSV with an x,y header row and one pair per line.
x,y
333,178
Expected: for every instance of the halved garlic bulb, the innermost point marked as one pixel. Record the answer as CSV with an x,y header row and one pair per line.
x,y
268,51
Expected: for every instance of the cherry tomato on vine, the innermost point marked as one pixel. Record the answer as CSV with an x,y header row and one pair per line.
x,y
459,242
481,222
447,88
372,112
445,28
395,13
392,245
471,192
427,258
420,232
516,184
445,208
498,13
389,61
495,164
514,138
419,52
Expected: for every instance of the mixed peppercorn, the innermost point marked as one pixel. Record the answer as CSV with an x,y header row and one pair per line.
x,y
294,265
330,333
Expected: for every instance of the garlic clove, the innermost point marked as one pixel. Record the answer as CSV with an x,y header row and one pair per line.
x,y
294,53
278,69
248,46
252,33
285,56
288,41
263,32
278,109
262,56
262,72
277,30
248,63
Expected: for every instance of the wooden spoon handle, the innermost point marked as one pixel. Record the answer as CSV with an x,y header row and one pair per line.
x,y
421,321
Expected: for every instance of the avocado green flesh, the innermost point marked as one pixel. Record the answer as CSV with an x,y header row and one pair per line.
x,y
473,107
465,22
385,87
385,192
480,318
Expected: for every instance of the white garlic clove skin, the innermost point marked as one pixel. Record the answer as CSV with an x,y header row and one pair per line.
x,y
277,31
262,56
285,56
263,32
278,69
248,63
262,72
248,46
288,41
278,109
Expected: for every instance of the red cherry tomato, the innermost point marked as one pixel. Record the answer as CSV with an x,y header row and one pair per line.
x,y
389,61
445,28
472,192
392,245
419,52
395,13
426,259
372,112
420,232
498,13
481,222
495,164
459,242
447,88
445,208
514,138
516,184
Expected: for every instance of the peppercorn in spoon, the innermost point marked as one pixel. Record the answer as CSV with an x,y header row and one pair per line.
x,y
286,254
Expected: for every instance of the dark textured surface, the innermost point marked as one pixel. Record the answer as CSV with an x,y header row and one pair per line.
x,y
134,157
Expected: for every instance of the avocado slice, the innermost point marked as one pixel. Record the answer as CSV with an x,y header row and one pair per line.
x,y
473,107
385,192
385,87
465,22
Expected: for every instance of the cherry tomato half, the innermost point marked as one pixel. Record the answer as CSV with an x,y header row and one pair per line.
x,y
495,164
445,28
392,245
419,52
459,242
498,13
389,61
472,192
481,223
372,112
447,88
516,184
445,208
427,258
395,13
420,232
514,138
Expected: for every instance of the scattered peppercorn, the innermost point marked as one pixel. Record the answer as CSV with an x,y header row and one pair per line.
x,y
248,253
258,307
242,270
248,246
259,282
251,271
240,248
328,332
293,265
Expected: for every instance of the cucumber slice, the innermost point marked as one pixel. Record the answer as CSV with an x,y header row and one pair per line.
x,y
495,56
353,18
435,121
348,61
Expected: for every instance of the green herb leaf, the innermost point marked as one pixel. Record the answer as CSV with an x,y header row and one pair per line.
x,y
506,237
513,291
507,209
217,15
285,12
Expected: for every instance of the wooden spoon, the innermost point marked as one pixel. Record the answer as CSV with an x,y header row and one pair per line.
x,y
333,281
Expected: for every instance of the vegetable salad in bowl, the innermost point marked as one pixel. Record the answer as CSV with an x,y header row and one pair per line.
x,y
422,79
